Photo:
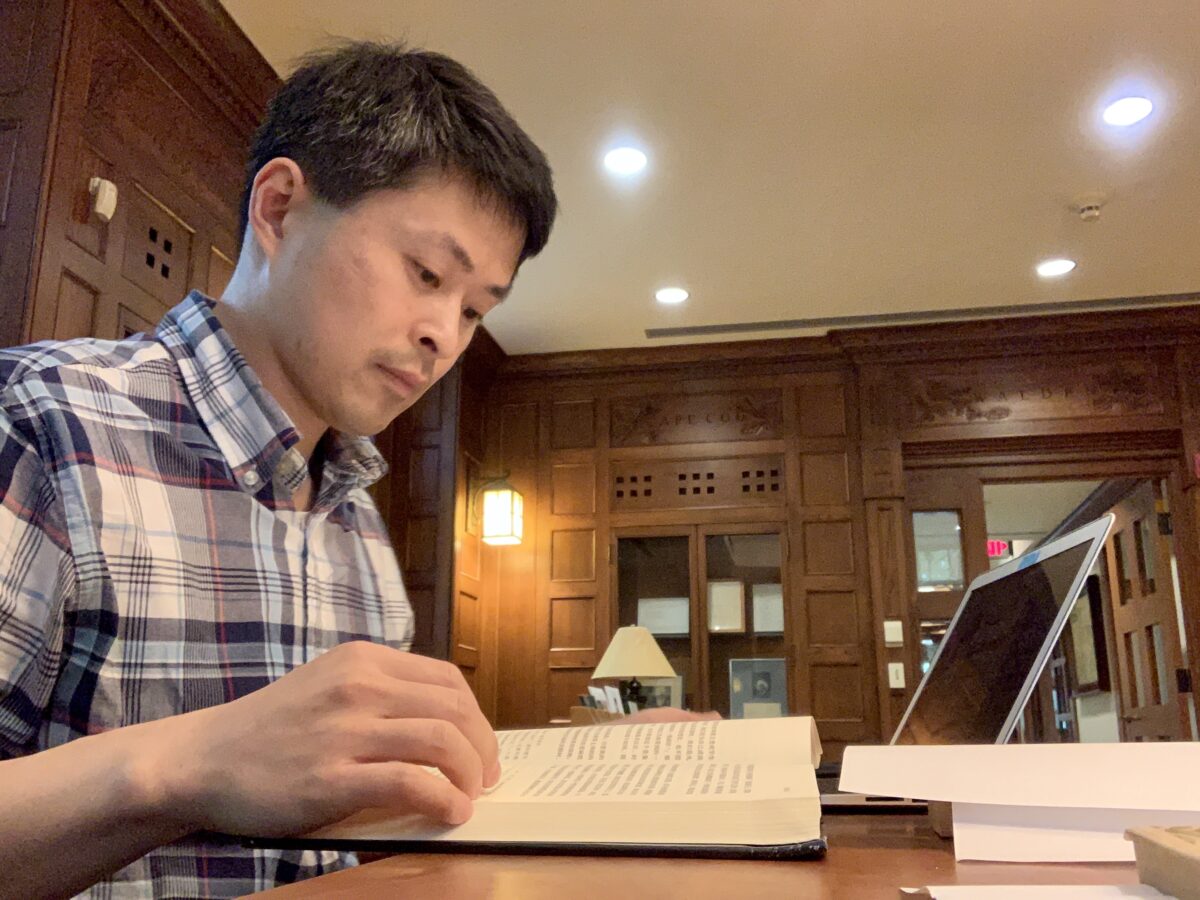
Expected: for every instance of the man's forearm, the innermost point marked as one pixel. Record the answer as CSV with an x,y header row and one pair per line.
x,y
76,813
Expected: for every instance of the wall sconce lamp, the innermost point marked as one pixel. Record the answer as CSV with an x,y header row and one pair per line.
x,y
503,510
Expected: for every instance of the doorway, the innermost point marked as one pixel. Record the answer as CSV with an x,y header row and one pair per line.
x,y
1120,670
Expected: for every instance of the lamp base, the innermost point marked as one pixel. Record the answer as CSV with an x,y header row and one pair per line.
x,y
632,691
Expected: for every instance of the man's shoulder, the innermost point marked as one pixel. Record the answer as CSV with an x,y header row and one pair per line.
x,y
57,370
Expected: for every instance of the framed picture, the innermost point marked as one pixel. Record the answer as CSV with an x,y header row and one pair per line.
x,y
1089,648
664,615
768,608
726,606
662,692
757,688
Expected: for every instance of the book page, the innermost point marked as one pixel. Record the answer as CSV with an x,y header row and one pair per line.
x,y
787,741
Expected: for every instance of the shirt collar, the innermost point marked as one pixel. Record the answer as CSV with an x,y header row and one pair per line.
x,y
251,430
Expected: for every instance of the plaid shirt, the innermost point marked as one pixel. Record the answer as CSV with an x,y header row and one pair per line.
x,y
151,562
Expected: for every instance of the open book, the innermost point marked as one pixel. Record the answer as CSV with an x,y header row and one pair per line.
x,y
743,787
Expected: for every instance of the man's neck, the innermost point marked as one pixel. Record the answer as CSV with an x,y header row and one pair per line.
x,y
239,323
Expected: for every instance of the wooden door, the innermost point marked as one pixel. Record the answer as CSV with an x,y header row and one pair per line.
x,y
1145,619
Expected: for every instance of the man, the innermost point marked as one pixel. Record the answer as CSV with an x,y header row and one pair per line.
x,y
201,620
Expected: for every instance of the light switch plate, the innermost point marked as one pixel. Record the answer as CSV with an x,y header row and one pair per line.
x,y
893,633
896,676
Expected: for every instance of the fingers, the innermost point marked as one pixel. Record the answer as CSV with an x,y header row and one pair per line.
x,y
424,701
428,742
397,785
432,688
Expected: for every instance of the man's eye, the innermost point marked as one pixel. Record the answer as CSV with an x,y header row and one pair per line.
x,y
472,315
427,277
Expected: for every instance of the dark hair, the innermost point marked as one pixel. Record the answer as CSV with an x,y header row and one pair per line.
x,y
365,116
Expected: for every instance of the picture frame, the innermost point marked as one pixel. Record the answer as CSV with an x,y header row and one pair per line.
x,y
761,685
665,616
726,606
662,692
767,603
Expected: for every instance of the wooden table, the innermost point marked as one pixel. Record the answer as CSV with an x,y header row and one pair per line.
x,y
869,856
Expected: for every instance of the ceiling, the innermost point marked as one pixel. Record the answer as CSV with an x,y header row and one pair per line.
x,y
1034,509
818,159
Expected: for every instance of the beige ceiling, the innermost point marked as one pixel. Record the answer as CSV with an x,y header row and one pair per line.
x,y
819,158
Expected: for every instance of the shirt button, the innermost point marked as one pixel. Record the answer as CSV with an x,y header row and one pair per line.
x,y
250,479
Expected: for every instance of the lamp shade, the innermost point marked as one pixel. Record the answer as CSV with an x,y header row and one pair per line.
x,y
633,653
503,515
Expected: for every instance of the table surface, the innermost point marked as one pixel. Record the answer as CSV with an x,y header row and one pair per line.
x,y
869,856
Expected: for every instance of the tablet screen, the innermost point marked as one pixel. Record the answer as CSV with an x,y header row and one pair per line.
x,y
989,652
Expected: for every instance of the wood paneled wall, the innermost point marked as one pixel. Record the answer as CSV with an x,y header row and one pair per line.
x,y
842,417
159,97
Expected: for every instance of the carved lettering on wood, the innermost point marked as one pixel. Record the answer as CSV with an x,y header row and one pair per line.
x,y
944,397
697,418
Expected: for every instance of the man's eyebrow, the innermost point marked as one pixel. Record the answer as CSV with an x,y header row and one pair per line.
x,y
500,292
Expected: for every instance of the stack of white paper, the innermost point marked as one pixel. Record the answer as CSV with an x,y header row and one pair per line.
x,y
1039,802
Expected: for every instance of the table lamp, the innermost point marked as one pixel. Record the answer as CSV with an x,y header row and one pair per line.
x,y
632,654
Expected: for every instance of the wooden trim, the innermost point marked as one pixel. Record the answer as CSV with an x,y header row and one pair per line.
x,y
1044,449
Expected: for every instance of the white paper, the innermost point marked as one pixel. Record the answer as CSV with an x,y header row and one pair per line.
x,y
613,694
768,608
599,696
725,611
1040,891
664,615
761,710
1053,834
1100,776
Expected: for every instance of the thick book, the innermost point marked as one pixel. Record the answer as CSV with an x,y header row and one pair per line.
x,y
728,789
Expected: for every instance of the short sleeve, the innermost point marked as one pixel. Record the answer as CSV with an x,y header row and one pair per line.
x,y
35,569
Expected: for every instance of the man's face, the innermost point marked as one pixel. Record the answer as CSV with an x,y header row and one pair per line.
x,y
368,306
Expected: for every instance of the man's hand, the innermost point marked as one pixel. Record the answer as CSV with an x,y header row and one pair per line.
x,y
349,730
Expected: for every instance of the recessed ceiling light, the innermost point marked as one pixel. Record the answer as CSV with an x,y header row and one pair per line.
x,y
670,295
625,161
1127,111
1053,268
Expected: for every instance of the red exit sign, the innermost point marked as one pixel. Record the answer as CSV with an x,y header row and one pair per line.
x,y
996,549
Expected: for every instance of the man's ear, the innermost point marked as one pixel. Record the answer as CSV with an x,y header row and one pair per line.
x,y
279,189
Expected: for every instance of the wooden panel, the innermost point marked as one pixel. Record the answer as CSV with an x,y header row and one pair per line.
x,y
832,617
220,270
518,433
466,624
692,418
139,102
421,543
9,132
573,555
76,308
837,693
17,18
573,623
564,689
423,467
824,479
883,470
647,484
421,601
470,554
428,409
822,411
828,548
85,229
573,424
158,248
573,489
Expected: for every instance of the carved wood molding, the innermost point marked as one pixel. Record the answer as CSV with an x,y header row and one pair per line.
x,y
694,418
1056,448
939,396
